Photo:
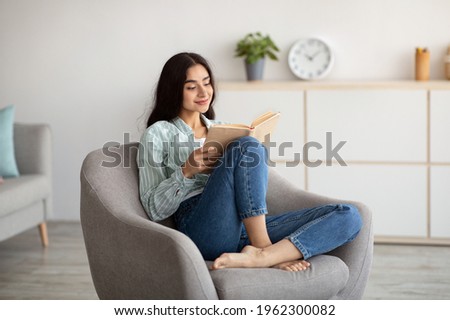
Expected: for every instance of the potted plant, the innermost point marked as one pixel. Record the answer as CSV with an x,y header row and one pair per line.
x,y
255,47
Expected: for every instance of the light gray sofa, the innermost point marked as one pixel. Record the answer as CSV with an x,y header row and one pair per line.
x,y
25,201
131,257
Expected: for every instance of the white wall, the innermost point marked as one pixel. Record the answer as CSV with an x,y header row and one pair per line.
x,y
88,67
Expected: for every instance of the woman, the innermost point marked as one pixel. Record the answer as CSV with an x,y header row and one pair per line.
x,y
219,200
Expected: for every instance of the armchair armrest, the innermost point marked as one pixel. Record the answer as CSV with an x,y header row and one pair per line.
x,y
131,257
33,148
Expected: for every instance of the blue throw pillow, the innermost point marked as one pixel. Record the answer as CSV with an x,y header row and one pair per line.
x,y
8,165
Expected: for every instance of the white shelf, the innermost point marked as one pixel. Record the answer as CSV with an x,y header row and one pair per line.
x,y
333,85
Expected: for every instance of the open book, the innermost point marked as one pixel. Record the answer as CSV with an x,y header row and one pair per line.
x,y
220,135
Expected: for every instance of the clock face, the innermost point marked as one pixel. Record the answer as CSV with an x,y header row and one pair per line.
x,y
310,59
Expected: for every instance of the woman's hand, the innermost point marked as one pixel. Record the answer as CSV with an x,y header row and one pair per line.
x,y
201,160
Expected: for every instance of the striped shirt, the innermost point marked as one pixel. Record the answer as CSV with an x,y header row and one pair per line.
x,y
163,148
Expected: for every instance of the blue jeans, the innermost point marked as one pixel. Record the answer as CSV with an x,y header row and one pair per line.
x,y
236,190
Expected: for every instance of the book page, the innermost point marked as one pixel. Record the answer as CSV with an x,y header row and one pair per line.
x,y
230,126
265,126
262,118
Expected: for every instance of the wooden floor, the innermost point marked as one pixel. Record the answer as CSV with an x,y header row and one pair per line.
x,y
60,271
27,271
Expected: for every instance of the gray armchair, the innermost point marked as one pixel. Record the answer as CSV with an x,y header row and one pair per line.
x,y
25,201
131,257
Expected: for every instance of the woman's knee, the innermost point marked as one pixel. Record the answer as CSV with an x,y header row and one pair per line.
x,y
248,139
352,219
246,142
248,147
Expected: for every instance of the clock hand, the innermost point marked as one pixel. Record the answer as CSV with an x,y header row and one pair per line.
x,y
308,57
315,54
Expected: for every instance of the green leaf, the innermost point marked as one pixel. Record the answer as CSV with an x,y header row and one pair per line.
x,y
272,55
255,46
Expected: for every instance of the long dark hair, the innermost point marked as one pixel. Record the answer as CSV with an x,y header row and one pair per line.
x,y
168,98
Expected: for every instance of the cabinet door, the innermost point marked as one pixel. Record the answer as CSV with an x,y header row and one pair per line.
x,y
440,126
440,209
244,106
397,195
376,125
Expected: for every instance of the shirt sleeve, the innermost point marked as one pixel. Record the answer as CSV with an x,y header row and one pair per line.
x,y
162,188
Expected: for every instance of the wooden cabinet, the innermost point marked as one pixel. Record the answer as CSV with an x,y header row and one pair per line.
x,y
440,126
377,125
396,194
380,128
440,210
394,138
440,164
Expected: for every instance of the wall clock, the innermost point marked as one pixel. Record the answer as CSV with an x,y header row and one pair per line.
x,y
310,58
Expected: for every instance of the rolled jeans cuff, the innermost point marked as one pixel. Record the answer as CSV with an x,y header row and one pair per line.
x,y
253,213
306,254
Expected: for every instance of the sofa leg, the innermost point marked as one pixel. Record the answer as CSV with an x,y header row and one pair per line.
x,y
43,233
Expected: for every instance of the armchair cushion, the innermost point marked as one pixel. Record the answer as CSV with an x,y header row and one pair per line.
x,y
8,165
324,279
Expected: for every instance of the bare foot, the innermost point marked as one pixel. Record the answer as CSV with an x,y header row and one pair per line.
x,y
296,265
276,254
249,257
